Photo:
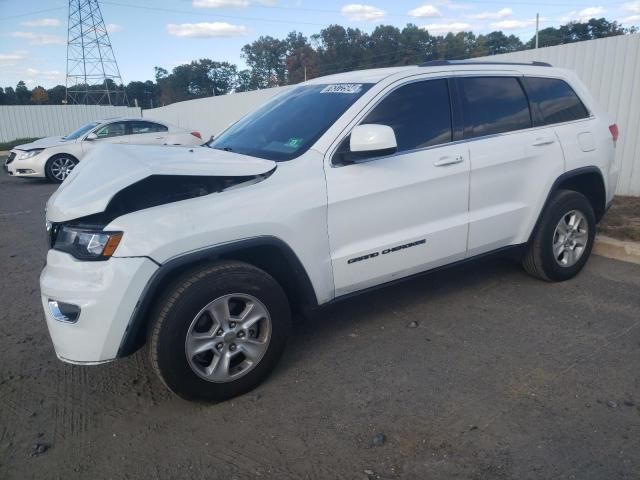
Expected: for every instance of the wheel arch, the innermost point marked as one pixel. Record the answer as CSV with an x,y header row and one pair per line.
x,y
62,154
268,253
588,181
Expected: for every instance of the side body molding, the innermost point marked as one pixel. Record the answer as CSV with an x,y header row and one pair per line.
x,y
298,278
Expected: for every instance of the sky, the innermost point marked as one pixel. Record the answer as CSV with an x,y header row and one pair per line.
x,y
166,33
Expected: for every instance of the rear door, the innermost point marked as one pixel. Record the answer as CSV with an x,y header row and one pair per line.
x,y
513,164
147,133
554,103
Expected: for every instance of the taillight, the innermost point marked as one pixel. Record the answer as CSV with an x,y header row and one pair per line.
x,y
197,134
614,132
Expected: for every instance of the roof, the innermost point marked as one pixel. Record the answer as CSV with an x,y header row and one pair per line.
x,y
373,75
120,119
377,74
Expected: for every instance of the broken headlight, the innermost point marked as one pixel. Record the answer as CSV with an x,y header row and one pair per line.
x,y
87,244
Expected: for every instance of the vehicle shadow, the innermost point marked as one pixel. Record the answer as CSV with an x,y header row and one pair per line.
x,y
346,317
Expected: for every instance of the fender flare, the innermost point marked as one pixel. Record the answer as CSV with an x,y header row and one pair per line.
x,y
556,186
132,340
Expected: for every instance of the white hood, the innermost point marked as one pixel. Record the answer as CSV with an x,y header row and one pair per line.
x,y
44,143
109,168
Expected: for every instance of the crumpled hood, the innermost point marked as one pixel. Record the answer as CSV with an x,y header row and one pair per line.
x,y
109,168
44,143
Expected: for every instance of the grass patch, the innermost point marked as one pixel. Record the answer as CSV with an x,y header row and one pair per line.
x,y
17,141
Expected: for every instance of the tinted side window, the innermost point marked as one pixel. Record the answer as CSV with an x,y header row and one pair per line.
x,y
146,127
494,105
419,114
554,100
115,129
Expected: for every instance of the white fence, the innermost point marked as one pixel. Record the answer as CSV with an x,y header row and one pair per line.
x,y
36,121
610,68
211,115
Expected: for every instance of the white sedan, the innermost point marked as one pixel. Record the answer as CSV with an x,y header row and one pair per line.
x,y
55,157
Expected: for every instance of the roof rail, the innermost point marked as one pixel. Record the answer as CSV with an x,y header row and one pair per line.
x,y
441,63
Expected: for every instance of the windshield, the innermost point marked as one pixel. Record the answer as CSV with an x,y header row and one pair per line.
x,y
289,125
81,131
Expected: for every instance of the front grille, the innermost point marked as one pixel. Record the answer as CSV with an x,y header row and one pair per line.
x,y
12,156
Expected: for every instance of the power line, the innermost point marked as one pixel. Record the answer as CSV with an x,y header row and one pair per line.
x,y
37,12
392,14
200,12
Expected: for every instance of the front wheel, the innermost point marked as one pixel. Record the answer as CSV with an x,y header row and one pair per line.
x,y
564,238
219,331
59,167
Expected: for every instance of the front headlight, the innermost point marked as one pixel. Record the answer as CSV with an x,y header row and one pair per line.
x,y
87,244
30,153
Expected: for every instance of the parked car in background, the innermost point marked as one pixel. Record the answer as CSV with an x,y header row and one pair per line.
x,y
339,185
55,157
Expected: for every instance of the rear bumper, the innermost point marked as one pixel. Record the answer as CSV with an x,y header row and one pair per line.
x,y
106,293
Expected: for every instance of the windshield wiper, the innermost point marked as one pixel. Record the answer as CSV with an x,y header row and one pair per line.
x,y
226,149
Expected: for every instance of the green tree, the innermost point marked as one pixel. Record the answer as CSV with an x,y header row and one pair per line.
x,y
23,94
498,42
243,81
266,57
10,96
301,59
222,76
57,94
417,46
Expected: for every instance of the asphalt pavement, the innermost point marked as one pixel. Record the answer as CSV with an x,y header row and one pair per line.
x,y
477,372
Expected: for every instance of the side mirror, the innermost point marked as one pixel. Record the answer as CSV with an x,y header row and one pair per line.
x,y
92,136
372,139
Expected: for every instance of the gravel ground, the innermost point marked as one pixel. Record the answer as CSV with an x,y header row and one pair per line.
x,y
478,372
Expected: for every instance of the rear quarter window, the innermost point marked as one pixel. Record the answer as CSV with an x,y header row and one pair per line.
x,y
553,101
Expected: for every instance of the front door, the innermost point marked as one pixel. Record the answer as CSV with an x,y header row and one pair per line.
x,y
395,215
114,132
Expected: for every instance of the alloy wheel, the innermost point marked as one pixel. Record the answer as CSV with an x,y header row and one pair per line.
x,y
570,238
228,337
61,167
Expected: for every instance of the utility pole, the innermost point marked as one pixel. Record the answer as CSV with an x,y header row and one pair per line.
x,y
93,77
305,73
537,27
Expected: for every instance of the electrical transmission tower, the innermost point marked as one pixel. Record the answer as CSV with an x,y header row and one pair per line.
x,y
93,77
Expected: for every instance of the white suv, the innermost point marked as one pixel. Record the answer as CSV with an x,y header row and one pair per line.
x,y
338,185
54,157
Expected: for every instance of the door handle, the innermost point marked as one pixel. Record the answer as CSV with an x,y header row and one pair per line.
x,y
444,161
543,141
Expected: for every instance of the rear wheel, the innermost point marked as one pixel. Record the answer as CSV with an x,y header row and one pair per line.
x,y
564,238
59,167
219,331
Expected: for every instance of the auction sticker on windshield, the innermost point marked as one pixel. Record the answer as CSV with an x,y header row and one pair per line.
x,y
342,88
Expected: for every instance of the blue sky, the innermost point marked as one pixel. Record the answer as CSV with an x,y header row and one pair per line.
x,y
148,33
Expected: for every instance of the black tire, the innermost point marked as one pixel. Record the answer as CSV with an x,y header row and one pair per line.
x,y
181,303
539,258
49,167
